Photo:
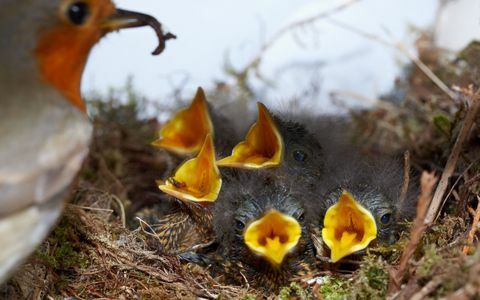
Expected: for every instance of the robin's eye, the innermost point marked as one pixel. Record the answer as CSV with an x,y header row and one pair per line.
x,y
299,155
240,225
386,218
78,12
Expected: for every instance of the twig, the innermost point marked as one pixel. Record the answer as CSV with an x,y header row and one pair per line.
x,y
473,229
402,49
266,46
427,181
406,180
437,201
428,288
369,101
454,185
122,210
92,208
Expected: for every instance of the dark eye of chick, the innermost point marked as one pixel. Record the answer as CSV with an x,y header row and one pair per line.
x,y
386,218
299,155
240,225
78,12
301,218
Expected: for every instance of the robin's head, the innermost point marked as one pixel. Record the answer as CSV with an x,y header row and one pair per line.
x,y
50,40
261,223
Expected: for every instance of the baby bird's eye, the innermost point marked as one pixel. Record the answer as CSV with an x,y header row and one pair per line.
x,y
239,225
301,218
386,218
299,155
78,12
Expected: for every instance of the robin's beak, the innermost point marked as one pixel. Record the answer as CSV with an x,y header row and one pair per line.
x,y
262,148
198,179
128,19
348,227
185,133
273,236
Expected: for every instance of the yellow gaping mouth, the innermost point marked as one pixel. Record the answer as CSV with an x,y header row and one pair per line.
x,y
185,133
198,179
262,148
348,227
273,236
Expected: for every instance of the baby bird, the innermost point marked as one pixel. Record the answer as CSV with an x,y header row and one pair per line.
x,y
362,204
280,143
261,225
196,185
186,131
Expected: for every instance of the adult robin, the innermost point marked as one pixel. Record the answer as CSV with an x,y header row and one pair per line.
x,y
261,225
44,128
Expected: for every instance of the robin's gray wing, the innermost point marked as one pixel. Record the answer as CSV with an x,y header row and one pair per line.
x,y
39,158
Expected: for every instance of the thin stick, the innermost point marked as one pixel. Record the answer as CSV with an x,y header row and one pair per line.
x,y
473,229
324,14
437,201
403,49
122,210
406,179
427,181
428,288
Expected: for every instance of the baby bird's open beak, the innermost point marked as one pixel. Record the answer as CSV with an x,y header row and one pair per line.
x,y
198,179
348,227
262,148
273,236
129,19
185,133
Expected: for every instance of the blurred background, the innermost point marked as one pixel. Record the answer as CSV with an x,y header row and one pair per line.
x,y
310,50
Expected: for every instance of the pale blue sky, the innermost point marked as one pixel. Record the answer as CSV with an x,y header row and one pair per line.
x,y
208,30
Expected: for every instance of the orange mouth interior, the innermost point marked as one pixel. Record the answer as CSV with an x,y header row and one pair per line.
x,y
273,236
348,227
262,148
185,133
198,179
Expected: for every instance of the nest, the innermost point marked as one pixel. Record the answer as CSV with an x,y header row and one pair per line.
x,y
98,249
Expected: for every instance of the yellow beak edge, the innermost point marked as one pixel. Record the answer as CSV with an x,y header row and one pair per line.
x,y
262,148
185,133
198,179
348,227
273,236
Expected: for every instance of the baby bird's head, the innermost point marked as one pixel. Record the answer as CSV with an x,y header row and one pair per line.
x,y
363,207
261,223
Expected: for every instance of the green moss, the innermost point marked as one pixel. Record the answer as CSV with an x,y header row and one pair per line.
x,y
372,279
334,288
63,253
369,282
430,259
294,291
